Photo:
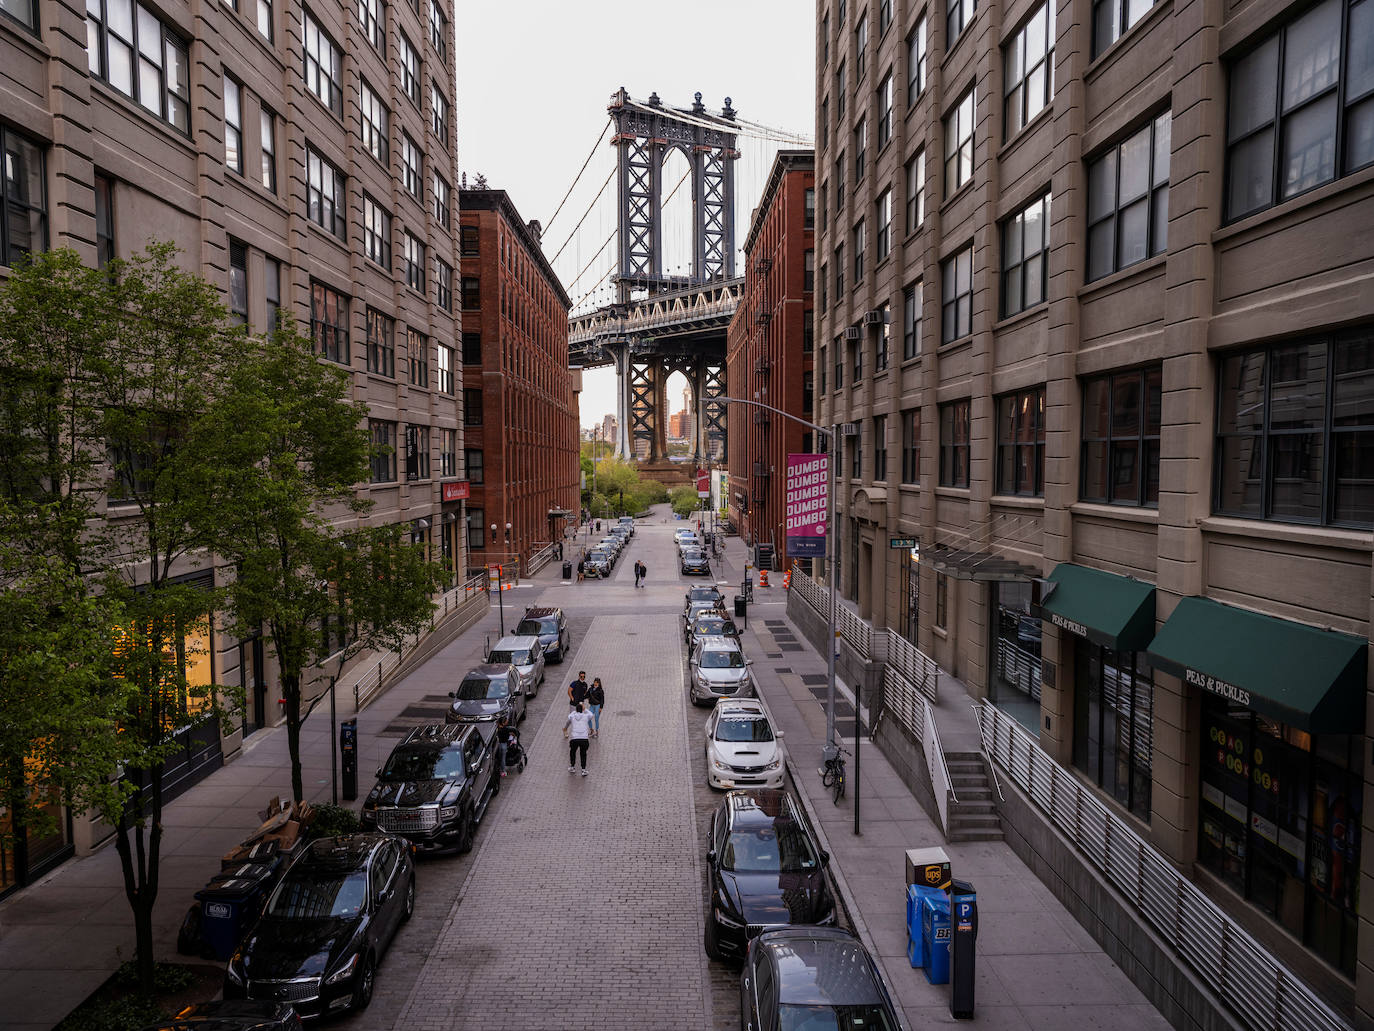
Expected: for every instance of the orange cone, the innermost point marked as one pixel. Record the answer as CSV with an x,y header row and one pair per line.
x,y
787,580
763,578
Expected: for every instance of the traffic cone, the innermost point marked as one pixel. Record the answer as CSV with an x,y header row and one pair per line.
x,y
787,580
763,578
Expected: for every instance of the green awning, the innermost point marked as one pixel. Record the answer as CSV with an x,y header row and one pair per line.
x,y
1114,611
1308,678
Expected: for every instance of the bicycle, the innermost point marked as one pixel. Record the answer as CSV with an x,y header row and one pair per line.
x,y
832,774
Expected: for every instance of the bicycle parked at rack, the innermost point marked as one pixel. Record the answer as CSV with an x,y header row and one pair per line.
x,y
832,773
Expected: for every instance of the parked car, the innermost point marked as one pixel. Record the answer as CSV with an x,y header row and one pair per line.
x,y
436,786
550,625
711,623
693,561
628,522
232,1015
797,977
704,592
597,564
690,541
486,694
717,668
327,925
743,749
611,546
526,655
764,869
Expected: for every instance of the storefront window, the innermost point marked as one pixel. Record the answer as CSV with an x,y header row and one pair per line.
x,y
1015,677
911,596
1113,718
1280,821
25,858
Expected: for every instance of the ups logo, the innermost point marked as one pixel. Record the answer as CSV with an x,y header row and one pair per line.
x,y
933,875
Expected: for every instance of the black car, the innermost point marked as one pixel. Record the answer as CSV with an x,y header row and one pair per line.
x,y
436,786
327,925
765,871
702,593
803,977
232,1015
694,562
712,623
598,564
487,693
550,625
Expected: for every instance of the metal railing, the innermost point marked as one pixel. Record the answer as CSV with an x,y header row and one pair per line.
x,y
908,660
904,702
540,557
1260,990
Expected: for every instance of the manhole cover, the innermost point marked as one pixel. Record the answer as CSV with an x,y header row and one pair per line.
x,y
625,712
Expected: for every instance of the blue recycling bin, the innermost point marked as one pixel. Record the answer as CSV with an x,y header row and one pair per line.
x,y
228,908
935,937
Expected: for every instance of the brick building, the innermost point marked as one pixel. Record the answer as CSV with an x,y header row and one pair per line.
x,y
519,403
1133,355
769,351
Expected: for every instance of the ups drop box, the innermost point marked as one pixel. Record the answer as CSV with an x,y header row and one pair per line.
x,y
928,867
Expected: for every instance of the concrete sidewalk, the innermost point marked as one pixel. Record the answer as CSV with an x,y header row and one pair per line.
x,y
1037,967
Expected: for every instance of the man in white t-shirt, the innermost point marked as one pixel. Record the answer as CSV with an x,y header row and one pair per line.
x,y
578,730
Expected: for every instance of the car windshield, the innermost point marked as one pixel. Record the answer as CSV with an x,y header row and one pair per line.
x,y
423,764
318,894
753,728
476,690
709,627
703,594
721,660
691,553
777,847
536,626
834,1018
506,655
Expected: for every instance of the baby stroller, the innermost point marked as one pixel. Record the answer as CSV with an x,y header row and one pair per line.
x,y
516,758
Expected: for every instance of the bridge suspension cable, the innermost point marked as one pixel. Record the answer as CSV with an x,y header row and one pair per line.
x,y
578,178
609,176
582,271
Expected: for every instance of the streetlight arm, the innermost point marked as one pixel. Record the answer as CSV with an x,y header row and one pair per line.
x,y
827,433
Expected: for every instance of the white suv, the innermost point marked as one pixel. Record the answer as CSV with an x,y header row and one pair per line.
x,y
743,749
716,669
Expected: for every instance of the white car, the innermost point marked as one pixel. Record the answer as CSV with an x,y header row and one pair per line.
x,y
743,750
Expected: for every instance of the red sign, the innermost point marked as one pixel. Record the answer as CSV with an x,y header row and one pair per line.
x,y
703,483
457,490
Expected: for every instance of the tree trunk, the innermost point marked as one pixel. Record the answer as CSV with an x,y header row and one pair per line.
x,y
140,867
291,690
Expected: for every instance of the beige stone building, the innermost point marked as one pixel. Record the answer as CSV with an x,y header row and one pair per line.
x,y
1094,285
303,156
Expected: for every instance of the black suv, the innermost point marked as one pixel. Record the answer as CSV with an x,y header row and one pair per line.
x,y
435,787
487,693
550,625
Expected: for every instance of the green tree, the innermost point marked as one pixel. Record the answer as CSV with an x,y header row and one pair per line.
x,y
684,500
283,449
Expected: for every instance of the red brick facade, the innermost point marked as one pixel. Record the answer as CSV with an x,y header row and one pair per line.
x,y
519,407
769,351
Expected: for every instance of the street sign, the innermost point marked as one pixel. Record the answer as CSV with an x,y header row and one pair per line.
x,y
703,483
904,542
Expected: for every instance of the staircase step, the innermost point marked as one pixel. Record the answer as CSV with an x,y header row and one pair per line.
x,y
978,835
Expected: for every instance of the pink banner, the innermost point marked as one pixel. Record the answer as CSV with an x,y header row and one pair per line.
x,y
808,486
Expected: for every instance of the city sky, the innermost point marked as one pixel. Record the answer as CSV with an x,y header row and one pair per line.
x,y
534,80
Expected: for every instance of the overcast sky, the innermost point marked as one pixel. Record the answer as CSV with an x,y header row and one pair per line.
x,y
534,79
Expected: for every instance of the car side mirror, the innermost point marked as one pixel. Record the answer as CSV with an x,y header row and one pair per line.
x,y
779,734
453,694
825,856
379,773
711,857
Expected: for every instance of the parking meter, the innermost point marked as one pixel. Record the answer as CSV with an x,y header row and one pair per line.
x,y
963,922
348,757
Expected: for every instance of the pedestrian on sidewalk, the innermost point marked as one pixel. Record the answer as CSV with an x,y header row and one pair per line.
x,y
596,698
643,575
504,732
637,572
578,730
577,690
581,570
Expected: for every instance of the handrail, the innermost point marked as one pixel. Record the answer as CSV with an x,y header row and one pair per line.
x,y
908,706
1259,989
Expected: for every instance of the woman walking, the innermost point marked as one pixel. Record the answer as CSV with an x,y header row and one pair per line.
x,y
596,697
578,729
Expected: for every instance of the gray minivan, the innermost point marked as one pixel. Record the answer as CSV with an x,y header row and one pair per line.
x,y
526,654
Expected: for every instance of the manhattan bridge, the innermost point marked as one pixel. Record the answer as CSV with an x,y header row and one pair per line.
x,y
653,266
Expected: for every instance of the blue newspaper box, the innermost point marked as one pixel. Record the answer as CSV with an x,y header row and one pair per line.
x,y
916,894
935,937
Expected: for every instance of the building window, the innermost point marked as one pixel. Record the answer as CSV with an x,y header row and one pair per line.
x,y
477,531
472,459
809,208
884,338
329,323
824,126
912,299
1111,19
443,369
1120,451
1128,201
417,357
376,233
840,89
233,125
825,39
443,284
372,16
267,129
860,151
381,344
916,191
941,601
438,113
884,16
472,348
958,14
954,444
130,48
472,407
271,290
410,71
857,355
265,19
839,274
238,284
1029,70
472,293
839,363
956,307
415,262
443,202
468,241
860,246
856,451
839,186
324,194
1113,715
809,272
1319,126
1021,443
959,144
860,48
808,333
885,111
104,219
448,453
911,446
879,448
884,225
1025,256
383,450
376,126
824,279
412,165
916,61
821,365
323,66
438,30
1295,430
417,452
26,13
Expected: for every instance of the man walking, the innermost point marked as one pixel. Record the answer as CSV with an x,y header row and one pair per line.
x,y
643,575
578,729
637,572
577,690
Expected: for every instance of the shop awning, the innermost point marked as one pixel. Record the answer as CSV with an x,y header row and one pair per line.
x,y
1113,611
1308,678
978,565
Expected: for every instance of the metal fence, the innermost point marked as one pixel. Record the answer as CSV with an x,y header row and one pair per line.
x,y
1261,991
913,664
903,702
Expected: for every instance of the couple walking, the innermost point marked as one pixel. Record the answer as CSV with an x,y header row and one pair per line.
x,y
641,573
584,722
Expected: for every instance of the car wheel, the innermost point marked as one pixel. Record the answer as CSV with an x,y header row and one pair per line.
x,y
495,783
362,991
466,831
410,899
712,943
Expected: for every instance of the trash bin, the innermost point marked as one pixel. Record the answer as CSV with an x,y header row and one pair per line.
x,y
935,937
567,570
228,909
741,607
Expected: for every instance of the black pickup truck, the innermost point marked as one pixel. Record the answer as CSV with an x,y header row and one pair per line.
x,y
436,786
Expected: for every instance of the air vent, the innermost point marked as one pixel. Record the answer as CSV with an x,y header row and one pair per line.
x,y
874,317
853,333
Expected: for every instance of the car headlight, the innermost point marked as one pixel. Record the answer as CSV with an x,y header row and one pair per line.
x,y
344,972
448,812
774,764
718,764
727,920
234,971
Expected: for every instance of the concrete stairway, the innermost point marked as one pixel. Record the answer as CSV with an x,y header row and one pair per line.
x,y
974,817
